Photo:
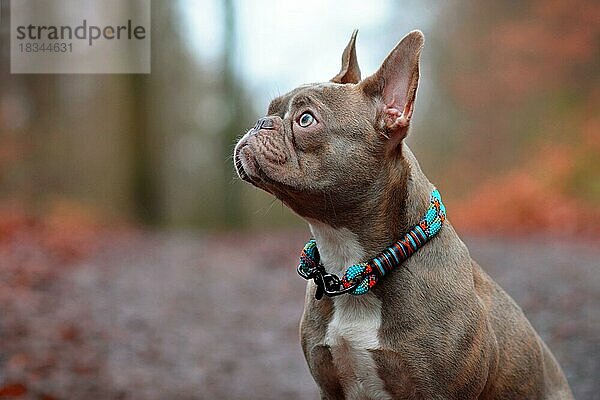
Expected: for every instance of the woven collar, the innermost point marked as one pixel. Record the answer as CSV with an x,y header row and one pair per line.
x,y
359,278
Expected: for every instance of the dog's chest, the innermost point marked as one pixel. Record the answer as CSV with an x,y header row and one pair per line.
x,y
354,327
350,335
356,321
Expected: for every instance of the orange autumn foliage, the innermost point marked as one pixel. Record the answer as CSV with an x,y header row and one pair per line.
x,y
518,203
524,79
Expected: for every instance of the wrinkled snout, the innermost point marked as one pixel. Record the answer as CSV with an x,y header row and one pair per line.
x,y
263,144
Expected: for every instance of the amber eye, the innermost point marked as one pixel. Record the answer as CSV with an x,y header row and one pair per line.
x,y
306,120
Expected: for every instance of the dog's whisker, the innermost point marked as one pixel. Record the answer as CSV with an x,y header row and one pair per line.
x,y
333,206
270,206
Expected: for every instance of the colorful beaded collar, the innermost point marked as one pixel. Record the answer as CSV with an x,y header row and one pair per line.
x,y
359,278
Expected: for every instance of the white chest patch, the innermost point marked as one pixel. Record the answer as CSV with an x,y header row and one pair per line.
x,y
356,321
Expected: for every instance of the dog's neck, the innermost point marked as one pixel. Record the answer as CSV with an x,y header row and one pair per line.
x,y
388,218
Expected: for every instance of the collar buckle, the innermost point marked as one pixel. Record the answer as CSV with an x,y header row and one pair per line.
x,y
328,284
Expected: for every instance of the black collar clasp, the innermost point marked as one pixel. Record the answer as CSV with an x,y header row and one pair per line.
x,y
328,284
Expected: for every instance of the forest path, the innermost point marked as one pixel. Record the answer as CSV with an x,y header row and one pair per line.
x,y
190,316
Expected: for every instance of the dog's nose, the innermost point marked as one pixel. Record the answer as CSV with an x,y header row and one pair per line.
x,y
264,123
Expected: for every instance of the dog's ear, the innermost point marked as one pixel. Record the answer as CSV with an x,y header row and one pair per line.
x,y
395,83
350,72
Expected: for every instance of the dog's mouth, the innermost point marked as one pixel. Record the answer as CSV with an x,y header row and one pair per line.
x,y
242,160
248,168
239,168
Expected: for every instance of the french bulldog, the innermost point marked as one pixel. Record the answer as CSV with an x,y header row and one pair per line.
x,y
436,327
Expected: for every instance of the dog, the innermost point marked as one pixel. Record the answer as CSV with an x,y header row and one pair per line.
x,y
436,326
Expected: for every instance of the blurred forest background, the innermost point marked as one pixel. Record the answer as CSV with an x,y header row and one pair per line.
x,y
508,114
118,198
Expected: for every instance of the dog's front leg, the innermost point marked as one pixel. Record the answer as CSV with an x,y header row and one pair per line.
x,y
323,370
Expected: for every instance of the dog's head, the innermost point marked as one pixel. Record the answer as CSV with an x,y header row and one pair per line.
x,y
325,149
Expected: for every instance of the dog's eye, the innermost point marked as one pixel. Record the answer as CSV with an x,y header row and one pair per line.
x,y
306,120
